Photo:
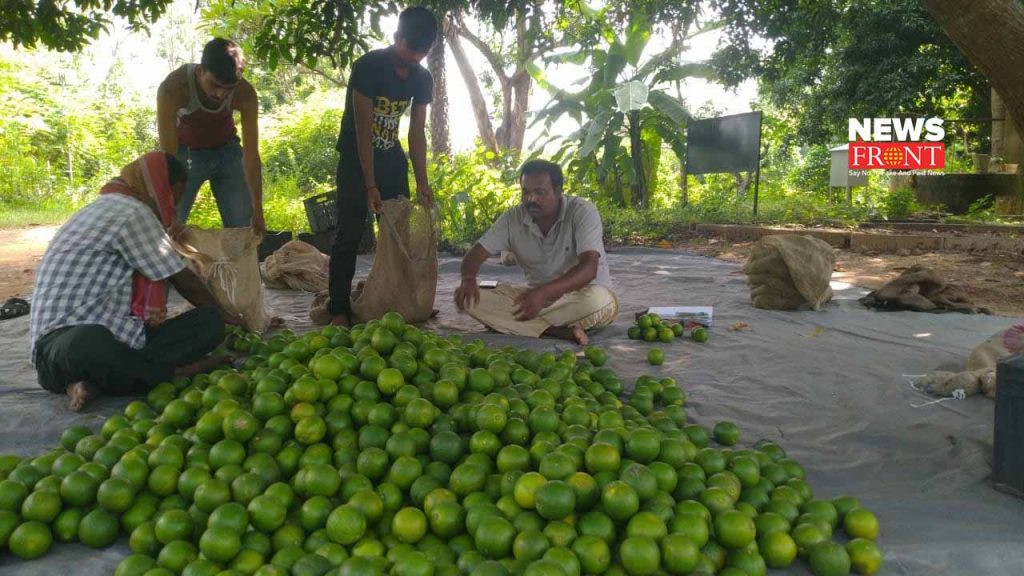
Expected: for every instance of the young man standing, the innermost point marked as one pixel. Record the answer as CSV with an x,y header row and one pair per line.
x,y
195,108
558,242
373,167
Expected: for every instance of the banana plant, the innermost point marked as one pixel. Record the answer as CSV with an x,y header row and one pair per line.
x,y
625,99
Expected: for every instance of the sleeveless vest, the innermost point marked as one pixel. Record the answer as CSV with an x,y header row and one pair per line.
x,y
200,127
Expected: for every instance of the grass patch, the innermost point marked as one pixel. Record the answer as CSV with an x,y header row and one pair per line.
x,y
22,216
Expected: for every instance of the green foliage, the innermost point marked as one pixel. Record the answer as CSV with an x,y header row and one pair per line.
x,y
618,145
59,142
303,146
900,204
829,60
471,190
279,84
809,170
69,25
982,209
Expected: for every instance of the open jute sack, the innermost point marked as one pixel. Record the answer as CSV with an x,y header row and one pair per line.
x,y
226,261
790,272
296,266
403,278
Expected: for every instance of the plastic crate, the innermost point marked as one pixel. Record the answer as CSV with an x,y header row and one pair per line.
x,y
271,242
324,240
322,212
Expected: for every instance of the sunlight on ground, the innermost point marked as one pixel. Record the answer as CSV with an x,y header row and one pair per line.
x,y
923,335
836,285
39,234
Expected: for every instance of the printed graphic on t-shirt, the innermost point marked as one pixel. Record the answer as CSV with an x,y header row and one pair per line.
x,y
387,114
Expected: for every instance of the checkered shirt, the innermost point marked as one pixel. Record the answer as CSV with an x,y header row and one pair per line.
x,y
86,273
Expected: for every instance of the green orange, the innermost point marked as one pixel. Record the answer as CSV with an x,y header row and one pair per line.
x,y
30,540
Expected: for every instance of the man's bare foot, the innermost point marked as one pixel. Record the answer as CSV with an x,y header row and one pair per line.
x,y
202,365
79,393
574,333
341,320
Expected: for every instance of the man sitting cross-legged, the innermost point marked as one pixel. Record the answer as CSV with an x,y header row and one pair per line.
x,y
557,240
98,315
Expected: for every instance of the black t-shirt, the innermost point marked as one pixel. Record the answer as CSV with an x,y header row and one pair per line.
x,y
373,75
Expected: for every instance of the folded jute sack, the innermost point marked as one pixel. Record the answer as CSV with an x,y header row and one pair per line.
x,y
296,266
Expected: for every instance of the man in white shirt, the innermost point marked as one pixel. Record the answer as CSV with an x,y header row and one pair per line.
x,y
557,241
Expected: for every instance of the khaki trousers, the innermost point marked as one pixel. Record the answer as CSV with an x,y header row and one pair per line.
x,y
591,307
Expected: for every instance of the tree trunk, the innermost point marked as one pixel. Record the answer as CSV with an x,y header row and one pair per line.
x,y
515,89
521,84
516,99
989,34
516,92
476,96
440,142
636,150
683,188
743,185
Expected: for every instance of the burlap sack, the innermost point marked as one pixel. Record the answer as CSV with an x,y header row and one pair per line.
x,y
921,289
404,274
226,261
296,266
789,272
980,373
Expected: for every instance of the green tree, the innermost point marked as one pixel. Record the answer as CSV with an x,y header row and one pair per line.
x,y
824,62
627,99
278,82
70,25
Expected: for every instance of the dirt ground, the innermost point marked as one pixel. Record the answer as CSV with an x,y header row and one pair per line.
x,y
21,250
995,280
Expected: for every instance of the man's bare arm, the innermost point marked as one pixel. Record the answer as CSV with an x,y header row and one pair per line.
x,y
530,303
167,96
252,166
468,292
576,278
192,288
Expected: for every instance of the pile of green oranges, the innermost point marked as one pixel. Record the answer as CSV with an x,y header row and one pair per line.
x,y
386,449
653,328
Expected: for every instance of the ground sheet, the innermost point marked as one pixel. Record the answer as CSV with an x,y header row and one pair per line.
x,y
829,386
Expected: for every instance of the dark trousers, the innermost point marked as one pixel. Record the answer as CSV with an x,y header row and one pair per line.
x,y
90,352
352,210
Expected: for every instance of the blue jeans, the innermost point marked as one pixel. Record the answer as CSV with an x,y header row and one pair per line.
x,y
222,167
